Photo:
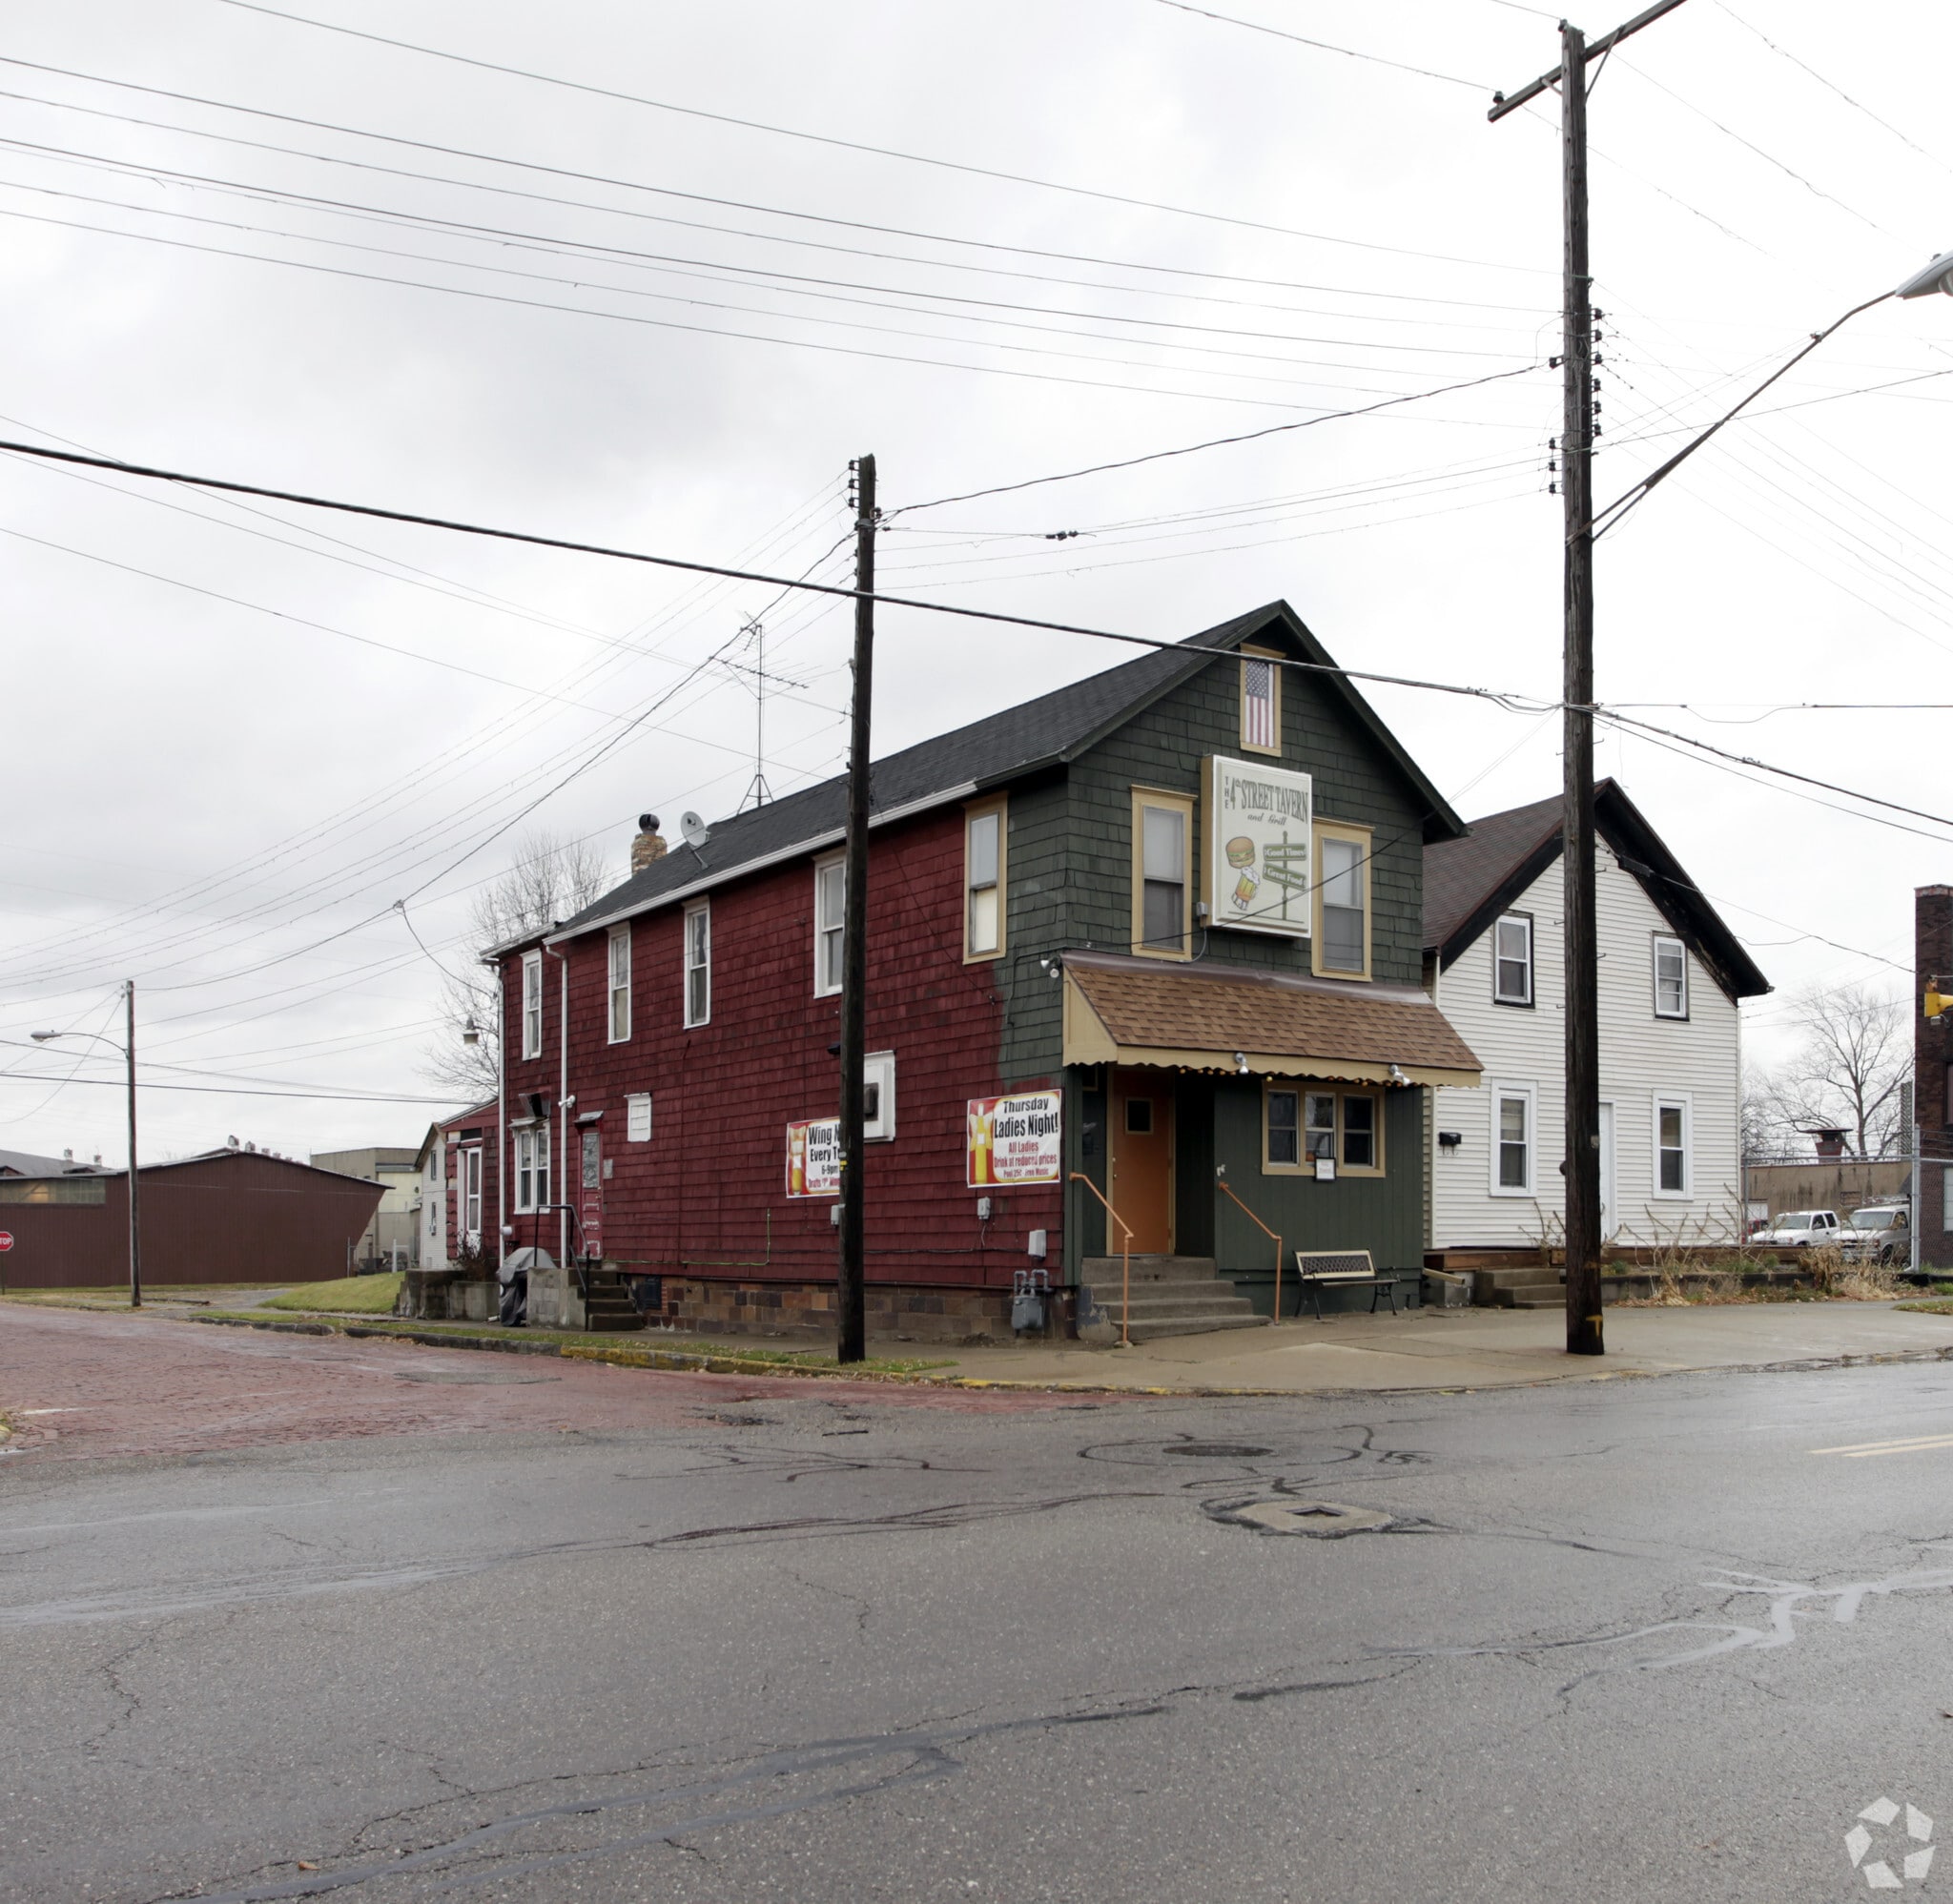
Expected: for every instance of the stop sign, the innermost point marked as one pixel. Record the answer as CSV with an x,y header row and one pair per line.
x,y
6,1242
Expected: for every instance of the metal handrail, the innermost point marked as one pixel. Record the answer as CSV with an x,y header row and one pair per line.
x,y
1126,1280
1221,1183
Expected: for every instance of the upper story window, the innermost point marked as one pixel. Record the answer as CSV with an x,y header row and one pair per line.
x,y
698,962
1511,971
1260,703
830,916
1671,980
983,887
1342,910
619,984
532,1004
1163,872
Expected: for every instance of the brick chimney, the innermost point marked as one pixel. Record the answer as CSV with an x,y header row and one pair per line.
x,y
649,846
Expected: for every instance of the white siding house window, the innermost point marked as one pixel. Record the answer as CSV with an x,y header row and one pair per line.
x,y
1671,980
698,963
1672,1146
829,917
1513,1140
619,984
532,1004
983,882
1513,960
532,1170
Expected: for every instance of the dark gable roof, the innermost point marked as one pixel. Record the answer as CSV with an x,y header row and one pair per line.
x,y
1468,882
1051,731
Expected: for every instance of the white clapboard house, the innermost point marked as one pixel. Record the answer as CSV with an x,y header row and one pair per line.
x,y
1671,975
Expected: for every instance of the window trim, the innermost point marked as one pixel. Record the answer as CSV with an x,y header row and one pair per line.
x,y
1360,837
526,1173
1247,746
1500,1090
1498,997
532,1004
696,908
468,1159
977,810
613,989
1658,940
1302,1089
631,1100
1673,1101
820,865
1185,804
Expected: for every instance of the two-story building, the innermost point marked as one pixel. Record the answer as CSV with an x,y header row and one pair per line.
x,y
1153,939
1671,978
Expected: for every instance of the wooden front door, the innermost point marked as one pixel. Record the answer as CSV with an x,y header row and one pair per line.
x,y
1143,1160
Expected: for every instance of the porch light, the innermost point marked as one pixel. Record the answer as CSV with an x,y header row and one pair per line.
x,y
1240,1062
471,1034
1398,1074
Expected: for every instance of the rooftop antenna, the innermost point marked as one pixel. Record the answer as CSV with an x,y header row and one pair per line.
x,y
757,791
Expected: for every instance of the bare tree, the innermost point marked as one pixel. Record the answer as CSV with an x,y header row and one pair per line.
x,y
1846,1074
550,880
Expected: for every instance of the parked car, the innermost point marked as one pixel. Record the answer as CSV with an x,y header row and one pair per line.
x,y
1801,1229
1878,1233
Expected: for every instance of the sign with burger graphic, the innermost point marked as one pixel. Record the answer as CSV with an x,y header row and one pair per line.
x,y
1258,854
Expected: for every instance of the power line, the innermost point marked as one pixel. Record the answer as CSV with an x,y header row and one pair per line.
x,y
1214,442
218,1091
877,152
1324,46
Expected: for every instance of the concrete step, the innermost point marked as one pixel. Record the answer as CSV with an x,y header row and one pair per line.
x,y
1146,1268
1189,1325
1178,1311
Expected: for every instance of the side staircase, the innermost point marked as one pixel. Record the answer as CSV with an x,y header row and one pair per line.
x,y
609,1306
1527,1286
1171,1296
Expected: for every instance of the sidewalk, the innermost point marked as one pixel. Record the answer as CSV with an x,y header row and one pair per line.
x,y
1473,1348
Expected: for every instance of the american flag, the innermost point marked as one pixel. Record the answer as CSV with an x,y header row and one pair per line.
x,y
1258,703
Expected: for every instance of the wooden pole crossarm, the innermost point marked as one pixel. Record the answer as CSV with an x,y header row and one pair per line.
x,y
1221,1183
1126,1280
1510,102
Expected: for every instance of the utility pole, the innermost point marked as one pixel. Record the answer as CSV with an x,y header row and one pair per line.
x,y
1582,1166
134,1220
851,1289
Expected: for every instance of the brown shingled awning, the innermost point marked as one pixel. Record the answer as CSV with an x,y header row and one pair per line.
x,y
1136,1011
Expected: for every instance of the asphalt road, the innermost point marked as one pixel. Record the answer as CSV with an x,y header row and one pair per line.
x,y
736,1642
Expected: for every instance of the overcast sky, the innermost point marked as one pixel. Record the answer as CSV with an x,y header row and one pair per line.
x,y
235,737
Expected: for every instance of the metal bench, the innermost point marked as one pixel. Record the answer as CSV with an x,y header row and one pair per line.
x,y
1318,1270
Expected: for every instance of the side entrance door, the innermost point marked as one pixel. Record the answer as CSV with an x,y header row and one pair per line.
x,y
1141,1154
591,1206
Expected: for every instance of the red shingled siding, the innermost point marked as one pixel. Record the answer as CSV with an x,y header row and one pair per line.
x,y
698,1197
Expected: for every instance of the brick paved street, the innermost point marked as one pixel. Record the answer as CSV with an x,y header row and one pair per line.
x,y
80,1384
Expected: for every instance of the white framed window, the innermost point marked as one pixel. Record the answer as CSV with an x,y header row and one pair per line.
x,y
1673,1172
470,1194
532,1004
1515,1139
829,924
1260,703
1342,901
698,963
1671,978
1511,960
1163,872
619,984
984,880
533,1169
637,1117
879,1112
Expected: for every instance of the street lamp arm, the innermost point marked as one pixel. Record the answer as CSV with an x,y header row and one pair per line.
x,y
1607,517
48,1038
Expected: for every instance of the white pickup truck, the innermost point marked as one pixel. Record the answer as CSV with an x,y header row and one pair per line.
x,y
1799,1230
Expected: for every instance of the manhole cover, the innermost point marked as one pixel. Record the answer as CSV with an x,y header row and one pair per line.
x,y
1215,1451
1320,1520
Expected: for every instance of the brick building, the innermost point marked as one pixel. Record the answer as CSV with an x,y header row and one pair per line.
x,y
1161,930
1932,1074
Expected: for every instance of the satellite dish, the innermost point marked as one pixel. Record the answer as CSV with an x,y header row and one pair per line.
x,y
696,831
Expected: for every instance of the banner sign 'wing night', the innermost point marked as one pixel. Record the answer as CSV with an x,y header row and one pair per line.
x,y
1258,865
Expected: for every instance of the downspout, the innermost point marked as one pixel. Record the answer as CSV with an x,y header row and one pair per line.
x,y
501,1123
560,1180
